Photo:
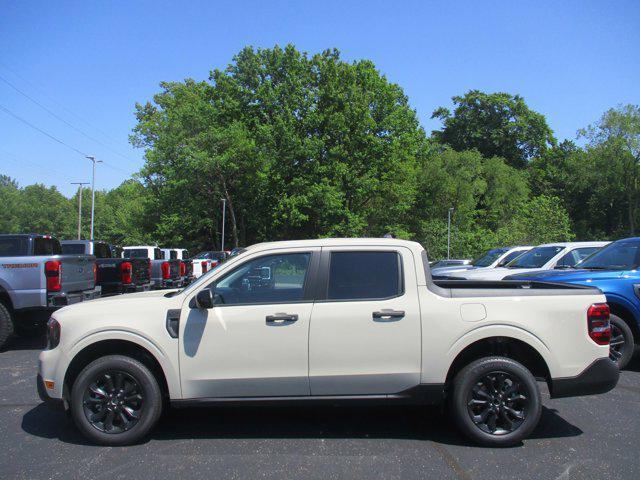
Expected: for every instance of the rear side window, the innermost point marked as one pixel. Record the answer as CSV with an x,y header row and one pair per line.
x,y
14,246
46,246
364,275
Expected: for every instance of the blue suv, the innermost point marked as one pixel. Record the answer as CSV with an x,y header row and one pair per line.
x,y
614,270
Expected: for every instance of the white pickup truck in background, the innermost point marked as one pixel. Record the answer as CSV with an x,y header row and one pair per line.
x,y
331,320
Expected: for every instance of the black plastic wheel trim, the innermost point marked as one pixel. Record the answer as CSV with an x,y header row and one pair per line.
x,y
113,402
498,403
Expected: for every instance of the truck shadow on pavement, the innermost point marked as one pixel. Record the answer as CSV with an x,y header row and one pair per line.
x,y
294,422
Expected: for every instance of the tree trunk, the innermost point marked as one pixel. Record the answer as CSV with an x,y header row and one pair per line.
x,y
232,212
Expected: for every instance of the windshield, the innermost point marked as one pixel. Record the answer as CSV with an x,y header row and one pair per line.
x,y
536,258
488,257
622,255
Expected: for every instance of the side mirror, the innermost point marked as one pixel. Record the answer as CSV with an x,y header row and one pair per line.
x,y
204,299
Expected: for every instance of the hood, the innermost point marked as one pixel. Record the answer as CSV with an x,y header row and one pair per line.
x,y
116,303
492,273
574,275
446,270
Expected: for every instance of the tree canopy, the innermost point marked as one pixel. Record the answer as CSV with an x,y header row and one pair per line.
x,y
307,146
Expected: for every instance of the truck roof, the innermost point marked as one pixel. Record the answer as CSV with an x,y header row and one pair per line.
x,y
338,242
575,244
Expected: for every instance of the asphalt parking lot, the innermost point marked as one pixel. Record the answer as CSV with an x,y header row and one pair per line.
x,y
589,437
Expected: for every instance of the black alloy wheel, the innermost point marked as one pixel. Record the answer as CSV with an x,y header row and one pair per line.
x,y
113,403
622,342
498,403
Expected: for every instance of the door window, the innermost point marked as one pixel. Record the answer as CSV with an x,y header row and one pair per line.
x,y
575,256
364,275
269,279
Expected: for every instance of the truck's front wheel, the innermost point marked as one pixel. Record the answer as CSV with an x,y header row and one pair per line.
x,y
496,401
115,400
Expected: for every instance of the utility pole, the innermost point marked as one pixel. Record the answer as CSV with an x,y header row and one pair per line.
x,y
80,184
449,232
93,190
224,210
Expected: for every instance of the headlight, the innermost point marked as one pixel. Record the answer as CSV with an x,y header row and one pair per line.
x,y
53,333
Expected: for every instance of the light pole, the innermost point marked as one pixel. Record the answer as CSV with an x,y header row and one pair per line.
x,y
80,184
93,190
224,210
449,232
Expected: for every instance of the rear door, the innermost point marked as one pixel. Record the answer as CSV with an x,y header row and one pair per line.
x,y
365,334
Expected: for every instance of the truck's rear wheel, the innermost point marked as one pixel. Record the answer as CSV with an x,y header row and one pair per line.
x,y
6,325
496,401
622,341
115,400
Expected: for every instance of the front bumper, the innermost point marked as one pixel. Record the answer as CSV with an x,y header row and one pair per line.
x,y
599,377
57,404
63,299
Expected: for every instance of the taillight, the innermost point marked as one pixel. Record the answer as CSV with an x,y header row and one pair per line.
x,y
125,272
149,268
53,274
166,270
95,273
204,266
214,263
183,269
598,323
53,333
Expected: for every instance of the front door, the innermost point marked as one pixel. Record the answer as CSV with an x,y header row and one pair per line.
x,y
365,336
254,341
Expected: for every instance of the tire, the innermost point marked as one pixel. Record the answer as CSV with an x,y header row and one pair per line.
x,y
131,379
6,326
622,341
472,386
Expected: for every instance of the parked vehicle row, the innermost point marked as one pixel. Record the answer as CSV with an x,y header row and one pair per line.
x,y
338,321
36,278
39,274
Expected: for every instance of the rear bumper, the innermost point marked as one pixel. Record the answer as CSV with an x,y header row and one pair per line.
x,y
62,299
599,377
57,404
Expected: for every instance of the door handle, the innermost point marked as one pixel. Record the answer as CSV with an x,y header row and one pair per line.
x,y
387,314
280,318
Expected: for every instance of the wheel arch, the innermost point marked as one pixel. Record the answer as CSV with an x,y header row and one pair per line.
x,y
623,311
504,346
102,348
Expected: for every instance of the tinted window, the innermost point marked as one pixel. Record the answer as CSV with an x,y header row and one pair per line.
x,y
101,250
14,246
622,255
536,257
363,275
268,279
489,257
511,256
575,256
157,253
173,254
73,248
46,246
135,253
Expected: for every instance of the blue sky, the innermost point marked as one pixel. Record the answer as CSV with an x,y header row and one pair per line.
x,y
91,61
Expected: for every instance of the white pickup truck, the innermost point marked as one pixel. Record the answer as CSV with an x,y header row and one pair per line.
x,y
331,320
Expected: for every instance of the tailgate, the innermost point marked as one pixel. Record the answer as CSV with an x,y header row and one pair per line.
x,y
175,269
141,270
77,272
108,270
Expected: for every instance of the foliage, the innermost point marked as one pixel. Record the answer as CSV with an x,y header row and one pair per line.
x,y
308,146
497,125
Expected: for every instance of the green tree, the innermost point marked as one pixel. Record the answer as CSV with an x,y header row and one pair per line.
x,y
497,125
616,136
